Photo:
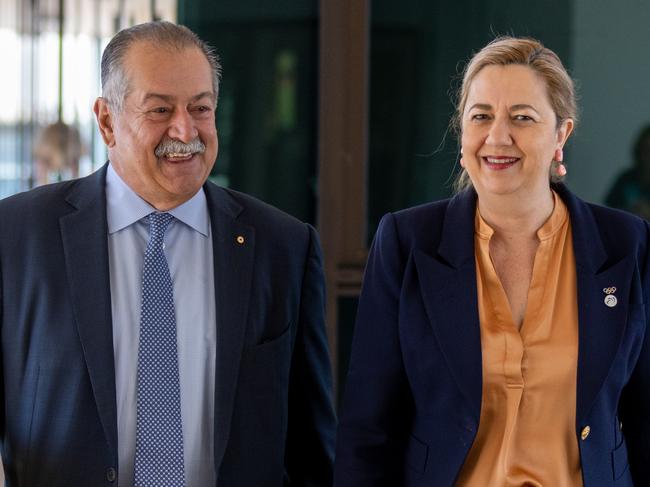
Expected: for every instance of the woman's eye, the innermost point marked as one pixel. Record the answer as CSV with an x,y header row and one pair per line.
x,y
523,118
479,116
160,110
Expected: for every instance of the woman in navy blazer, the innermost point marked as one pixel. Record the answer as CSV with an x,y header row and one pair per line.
x,y
414,393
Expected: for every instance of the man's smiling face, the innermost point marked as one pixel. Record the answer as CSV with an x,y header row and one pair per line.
x,y
163,143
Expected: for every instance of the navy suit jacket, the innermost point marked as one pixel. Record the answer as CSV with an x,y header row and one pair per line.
x,y
413,397
274,422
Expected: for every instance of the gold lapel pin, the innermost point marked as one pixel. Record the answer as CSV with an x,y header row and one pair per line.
x,y
240,239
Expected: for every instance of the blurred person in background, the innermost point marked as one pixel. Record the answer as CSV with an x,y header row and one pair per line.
x,y
501,336
57,152
631,191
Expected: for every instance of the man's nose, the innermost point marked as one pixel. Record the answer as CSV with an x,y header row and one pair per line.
x,y
499,133
182,126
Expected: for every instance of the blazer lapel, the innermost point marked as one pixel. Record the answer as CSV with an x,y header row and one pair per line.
x,y
234,250
448,285
85,244
600,326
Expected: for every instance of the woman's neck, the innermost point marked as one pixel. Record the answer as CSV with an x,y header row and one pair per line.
x,y
516,217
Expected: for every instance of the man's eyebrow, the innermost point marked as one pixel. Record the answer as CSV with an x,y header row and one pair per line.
x,y
205,94
171,99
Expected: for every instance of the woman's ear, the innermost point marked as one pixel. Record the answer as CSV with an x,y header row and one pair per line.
x,y
563,132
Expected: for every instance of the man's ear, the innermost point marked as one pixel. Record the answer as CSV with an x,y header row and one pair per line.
x,y
104,118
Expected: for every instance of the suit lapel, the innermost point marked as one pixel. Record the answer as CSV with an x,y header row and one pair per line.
x,y
234,247
448,286
85,244
600,326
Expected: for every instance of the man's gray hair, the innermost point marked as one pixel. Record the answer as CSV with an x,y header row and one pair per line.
x,y
115,83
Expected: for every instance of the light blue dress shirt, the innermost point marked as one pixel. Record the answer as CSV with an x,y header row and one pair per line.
x,y
189,252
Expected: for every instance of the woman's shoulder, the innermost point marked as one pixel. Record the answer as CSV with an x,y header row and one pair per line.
x,y
460,206
423,226
605,218
425,211
620,232
618,223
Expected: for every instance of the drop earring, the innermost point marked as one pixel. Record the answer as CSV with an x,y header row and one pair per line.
x,y
560,169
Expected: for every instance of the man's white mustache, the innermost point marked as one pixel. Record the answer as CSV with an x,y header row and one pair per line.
x,y
173,146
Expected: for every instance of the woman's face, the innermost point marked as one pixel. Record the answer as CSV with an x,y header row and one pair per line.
x,y
509,132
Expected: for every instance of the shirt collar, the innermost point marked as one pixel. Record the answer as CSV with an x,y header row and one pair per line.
x,y
124,207
555,222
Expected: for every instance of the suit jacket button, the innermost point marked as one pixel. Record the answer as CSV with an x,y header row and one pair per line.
x,y
585,432
111,474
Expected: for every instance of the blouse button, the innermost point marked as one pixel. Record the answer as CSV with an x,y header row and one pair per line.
x,y
585,432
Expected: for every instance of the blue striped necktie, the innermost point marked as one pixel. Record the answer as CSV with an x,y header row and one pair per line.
x,y
159,429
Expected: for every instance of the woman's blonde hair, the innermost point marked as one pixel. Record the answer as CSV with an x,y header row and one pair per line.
x,y
504,51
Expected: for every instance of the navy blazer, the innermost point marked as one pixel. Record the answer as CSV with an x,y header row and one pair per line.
x,y
274,421
413,398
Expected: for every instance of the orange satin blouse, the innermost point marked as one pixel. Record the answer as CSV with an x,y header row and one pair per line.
x,y
526,434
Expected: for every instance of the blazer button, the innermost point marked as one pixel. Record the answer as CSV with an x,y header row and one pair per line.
x,y
111,474
585,432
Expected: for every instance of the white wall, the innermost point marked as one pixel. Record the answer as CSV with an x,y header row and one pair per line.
x,y
611,61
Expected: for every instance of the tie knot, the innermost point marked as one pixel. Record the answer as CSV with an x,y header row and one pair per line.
x,y
158,223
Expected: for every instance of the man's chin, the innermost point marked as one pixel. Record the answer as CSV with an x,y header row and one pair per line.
x,y
181,179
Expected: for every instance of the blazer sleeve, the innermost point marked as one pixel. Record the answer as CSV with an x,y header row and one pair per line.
x,y
635,403
312,423
377,407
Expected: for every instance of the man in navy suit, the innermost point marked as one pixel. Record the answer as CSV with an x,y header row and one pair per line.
x,y
251,360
